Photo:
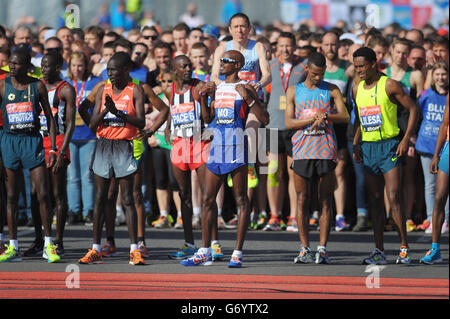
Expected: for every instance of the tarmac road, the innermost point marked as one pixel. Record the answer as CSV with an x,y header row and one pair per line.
x,y
265,253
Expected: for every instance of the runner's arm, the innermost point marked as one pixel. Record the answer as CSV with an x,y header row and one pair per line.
x,y
88,102
394,89
97,115
289,117
216,64
68,94
43,99
159,105
252,98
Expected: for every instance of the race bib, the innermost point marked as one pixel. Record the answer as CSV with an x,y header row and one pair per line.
x,y
20,116
183,115
371,119
113,121
224,108
43,119
308,130
247,75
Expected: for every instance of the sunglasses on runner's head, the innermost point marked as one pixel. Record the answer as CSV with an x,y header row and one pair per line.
x,y
227,60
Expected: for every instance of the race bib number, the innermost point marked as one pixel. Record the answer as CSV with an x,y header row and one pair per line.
x,y
20,116
224,108
371,119
308,130
183,115
247,75
113,121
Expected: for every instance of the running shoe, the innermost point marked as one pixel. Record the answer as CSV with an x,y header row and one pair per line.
x,y
10,255
220,223
262,220
235,262
376,257
197,260
144,250
51,254
252,177
425,224
253,221
322,256
136,258
59,248
304,256
410,226
232,223
341,224
36,248
184,252
162,222
108,250
273,224
179,223
361,223
390,225
217,252
283,225
196,222
313,223
92,257
2,247
403,257
433,256
429,229
292,225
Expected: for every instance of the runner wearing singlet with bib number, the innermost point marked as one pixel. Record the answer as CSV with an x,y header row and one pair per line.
x,y
21,99
381,149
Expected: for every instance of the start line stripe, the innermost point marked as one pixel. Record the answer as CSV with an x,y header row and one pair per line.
x,y
62,285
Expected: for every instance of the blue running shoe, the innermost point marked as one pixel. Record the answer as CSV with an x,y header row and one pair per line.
x,y
197,260
341,224
217,252
433,256
376,257
235,262
184,252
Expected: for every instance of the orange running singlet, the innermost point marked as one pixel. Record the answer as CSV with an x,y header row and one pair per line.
x,y
112,127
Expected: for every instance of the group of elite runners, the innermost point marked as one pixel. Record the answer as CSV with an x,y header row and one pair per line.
x,y
37,123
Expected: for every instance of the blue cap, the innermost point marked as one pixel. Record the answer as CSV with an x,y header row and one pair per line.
x,y
211,30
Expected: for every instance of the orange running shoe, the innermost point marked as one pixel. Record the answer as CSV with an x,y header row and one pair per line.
x,y
92,257
136,258
108,250
144,250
